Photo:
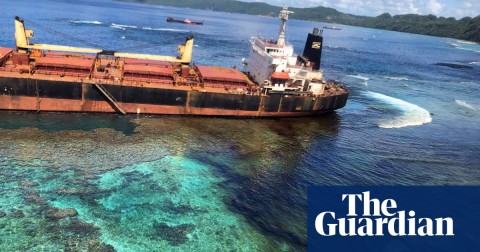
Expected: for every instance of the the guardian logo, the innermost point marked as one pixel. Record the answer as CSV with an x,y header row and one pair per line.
x,y
379,218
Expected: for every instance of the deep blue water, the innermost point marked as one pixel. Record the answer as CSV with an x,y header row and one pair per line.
x,y
143,183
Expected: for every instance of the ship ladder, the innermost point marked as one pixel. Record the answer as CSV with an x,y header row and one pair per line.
x,y
109,97
37,96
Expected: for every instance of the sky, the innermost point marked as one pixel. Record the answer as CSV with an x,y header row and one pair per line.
x,y
446,8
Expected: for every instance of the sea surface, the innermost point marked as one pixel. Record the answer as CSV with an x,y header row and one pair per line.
x,y
168,183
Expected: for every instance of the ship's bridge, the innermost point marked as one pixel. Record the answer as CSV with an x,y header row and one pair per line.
x,y
274,50
274,65
267,57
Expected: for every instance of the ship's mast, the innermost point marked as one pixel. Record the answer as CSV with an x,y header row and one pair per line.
x,y
284,17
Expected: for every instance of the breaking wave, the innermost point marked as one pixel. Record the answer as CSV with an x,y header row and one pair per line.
x,y
86,22
117,27
124,26
469,47
359,77
465,104
465,45
466,42
395,78
121,26
412,115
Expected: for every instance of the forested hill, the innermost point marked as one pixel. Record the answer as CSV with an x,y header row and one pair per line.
x,y
466,28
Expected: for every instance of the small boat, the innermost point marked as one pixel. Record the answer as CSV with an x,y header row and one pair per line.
x,y
331,28
185,21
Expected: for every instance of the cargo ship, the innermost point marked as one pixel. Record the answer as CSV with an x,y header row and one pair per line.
x,y
275,82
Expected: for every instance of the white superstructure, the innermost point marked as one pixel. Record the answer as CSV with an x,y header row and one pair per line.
x,y
273,65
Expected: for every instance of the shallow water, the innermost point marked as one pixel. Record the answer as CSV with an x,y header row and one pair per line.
x,y
173,175
145,183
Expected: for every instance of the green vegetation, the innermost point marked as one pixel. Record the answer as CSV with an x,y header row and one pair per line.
x,y
466,28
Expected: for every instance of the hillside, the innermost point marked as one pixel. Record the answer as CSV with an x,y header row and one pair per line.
x,y
466,28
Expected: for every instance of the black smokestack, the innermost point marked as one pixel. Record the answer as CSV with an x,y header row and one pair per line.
x,y
313,48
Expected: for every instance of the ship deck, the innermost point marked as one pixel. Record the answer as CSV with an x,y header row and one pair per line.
x,y
84,68
70,67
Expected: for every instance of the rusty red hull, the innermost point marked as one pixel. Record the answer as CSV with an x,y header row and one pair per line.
x,y
59,105
44,95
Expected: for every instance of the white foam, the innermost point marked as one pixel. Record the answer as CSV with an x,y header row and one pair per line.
x,y
412,115
466,45
468,49
337,47
475,63
117,27
465,104
466,42
124,26
359,77
395,78
86,22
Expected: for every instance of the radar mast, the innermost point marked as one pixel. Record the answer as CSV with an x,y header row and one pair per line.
x,y
284,17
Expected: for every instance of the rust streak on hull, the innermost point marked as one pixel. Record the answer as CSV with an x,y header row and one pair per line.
x,y
65,105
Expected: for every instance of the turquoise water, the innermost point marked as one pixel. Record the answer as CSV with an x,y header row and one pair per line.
x,y
159,183
163,186
172,203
